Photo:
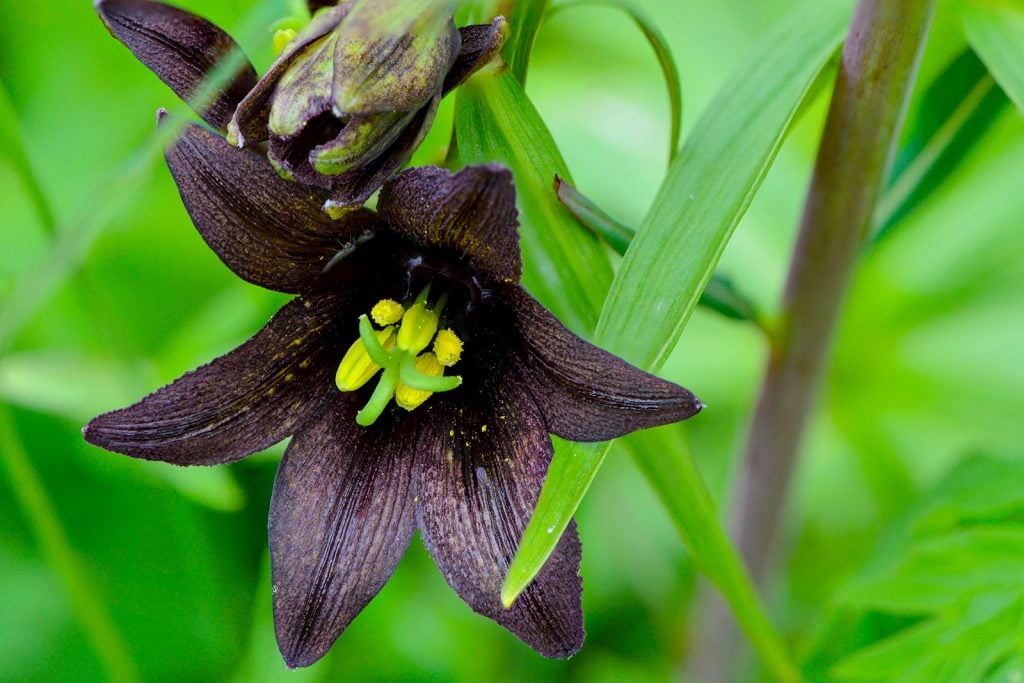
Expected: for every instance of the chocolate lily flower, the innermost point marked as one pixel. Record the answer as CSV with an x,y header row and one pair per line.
x,y
345,104
418,379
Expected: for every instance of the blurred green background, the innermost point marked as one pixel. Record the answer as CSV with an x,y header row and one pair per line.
x,y
107,292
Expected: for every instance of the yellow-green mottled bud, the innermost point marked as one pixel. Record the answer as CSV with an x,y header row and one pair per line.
x,y
392,55
303,88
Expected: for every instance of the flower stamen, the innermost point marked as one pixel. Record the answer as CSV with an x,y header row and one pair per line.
x,y
358,366
419,324
410,376
386,312
447,348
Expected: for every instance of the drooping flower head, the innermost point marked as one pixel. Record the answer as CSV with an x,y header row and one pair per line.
x,y
347,101
418,379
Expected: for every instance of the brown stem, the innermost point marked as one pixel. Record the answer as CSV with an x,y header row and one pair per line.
x,y
878,67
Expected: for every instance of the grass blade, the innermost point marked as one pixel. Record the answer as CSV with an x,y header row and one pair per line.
x,y
31,497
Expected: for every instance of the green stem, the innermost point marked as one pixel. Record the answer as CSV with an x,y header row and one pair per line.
x,y
31,497
873,84
879,64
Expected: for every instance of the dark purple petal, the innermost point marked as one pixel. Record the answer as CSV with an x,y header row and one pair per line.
x,y
269,231
393,56
353,188
240,403
586,393
182,49
249,124
480,43
341,517
472,212
483,456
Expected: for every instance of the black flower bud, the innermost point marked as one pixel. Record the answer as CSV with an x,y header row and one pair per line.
x,y
353,94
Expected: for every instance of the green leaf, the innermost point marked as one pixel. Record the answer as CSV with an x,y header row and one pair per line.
x,y
995,29
47,526
961,645
69,383
1010,671
711,184
709,187
957,109
670,470
661,50
15,150
591,216
954,562
565,267
720,295
935,571
523,23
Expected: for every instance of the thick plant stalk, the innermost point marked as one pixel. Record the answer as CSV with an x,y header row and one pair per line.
x,y
873,84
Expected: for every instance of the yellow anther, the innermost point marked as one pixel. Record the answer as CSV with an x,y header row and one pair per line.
x,y
357,368
448,348
410,398
386,312
281,39
419,325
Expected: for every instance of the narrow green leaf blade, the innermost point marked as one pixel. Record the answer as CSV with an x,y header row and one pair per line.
x,y
720,295
709,187
592,217
995,30
671,472
957,109
711,184
565,267
524,22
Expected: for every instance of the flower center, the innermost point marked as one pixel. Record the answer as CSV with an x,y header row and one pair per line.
x,y
410,373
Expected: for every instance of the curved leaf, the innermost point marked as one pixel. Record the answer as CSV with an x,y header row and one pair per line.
x,y
662,51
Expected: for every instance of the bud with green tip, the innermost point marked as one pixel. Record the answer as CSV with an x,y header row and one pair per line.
x,y
343,107
352,95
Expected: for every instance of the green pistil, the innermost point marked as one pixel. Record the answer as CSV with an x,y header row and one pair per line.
x,y
382,394
409,376
415,379
378,354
